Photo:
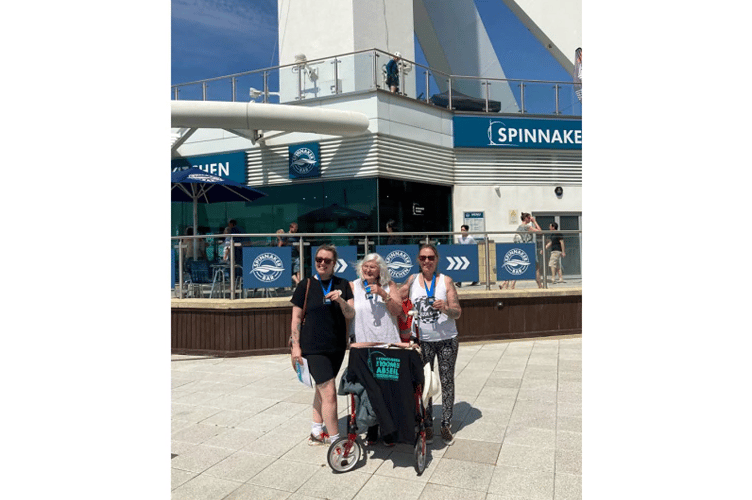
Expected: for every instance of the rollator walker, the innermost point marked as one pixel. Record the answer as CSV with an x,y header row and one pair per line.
x,y
345,453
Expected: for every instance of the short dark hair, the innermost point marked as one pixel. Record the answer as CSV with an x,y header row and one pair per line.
x,y
556,226
233,222
465,227
524,215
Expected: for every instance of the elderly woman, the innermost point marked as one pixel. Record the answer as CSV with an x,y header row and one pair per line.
x,y
435,298
321,337
377,305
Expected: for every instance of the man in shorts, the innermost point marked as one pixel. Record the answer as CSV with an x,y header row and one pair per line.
x,y
556,244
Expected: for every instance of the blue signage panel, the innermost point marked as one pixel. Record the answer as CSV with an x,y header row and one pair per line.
x,y
227,165
267,267
460,262
515,261
347,257
502,132
402,260
304,160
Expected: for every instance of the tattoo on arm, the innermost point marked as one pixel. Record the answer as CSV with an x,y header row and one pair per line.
x,y
297,324
453,302
348,310
404,290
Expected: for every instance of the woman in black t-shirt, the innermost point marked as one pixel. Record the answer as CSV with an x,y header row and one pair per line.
x,y
322,340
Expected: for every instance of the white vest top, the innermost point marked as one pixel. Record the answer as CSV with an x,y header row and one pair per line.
x,y
434,325
372,322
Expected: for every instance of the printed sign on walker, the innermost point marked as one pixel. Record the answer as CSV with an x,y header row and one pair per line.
x,y
267,267
515,261
400,259
347,257
460,262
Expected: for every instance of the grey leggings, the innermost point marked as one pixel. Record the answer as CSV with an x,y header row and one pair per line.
x,y
446,351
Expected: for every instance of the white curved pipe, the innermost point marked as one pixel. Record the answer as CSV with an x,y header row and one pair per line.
x,y
259,116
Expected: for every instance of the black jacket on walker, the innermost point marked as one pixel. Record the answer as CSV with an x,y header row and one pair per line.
x,y
390,377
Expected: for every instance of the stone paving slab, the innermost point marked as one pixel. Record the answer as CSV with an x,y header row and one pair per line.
x,y
239,429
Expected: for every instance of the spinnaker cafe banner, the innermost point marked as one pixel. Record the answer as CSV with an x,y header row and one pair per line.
x,y
517,133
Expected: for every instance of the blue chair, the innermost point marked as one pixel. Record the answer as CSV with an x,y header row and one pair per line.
x,y
199,272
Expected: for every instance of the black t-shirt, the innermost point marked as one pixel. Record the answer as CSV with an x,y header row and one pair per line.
x,y
556,242
325,328
390,377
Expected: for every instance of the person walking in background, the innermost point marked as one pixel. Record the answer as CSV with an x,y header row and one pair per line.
x,y
465,239
234,229
190,245
377,306
556,244
392,72
291,242
226,245
392,239
525,235
322,338
435,298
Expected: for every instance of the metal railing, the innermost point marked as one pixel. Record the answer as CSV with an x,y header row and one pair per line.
x,y
365,242
364,70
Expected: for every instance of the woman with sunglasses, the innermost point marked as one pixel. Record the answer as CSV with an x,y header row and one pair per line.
x,y
435,298
322,339
377,305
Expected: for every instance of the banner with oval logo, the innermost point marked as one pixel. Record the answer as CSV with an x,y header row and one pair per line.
x,y
267,267
304,160
515,261
400,259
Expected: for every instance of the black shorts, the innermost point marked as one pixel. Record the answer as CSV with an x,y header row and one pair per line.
x,y
324,366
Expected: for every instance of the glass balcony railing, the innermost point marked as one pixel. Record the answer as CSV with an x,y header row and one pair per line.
x,y
258,267
366,71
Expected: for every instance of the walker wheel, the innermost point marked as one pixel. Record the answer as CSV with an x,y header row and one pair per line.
x,y
344,454
420,453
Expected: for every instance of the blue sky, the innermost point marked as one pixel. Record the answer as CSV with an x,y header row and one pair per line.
x,y
213,38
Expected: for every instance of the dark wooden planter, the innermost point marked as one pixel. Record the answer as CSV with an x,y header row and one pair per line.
x,y
262,326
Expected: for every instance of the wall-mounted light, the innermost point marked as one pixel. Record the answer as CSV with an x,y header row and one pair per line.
x,y
255,94
559,191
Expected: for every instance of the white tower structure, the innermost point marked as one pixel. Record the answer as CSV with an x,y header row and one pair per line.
x,y
325,28
454,41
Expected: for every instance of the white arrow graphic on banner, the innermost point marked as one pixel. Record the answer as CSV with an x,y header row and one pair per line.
x,y
457,263
341,265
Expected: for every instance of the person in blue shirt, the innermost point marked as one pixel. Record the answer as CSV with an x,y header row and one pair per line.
x,y
392,72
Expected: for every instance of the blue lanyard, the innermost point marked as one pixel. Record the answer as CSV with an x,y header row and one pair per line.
x,y
430,291
322,284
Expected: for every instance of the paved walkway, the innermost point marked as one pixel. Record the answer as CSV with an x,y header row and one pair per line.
x,y
239,429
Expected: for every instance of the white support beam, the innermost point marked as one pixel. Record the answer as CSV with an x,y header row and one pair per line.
x,y
557,24
258,116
